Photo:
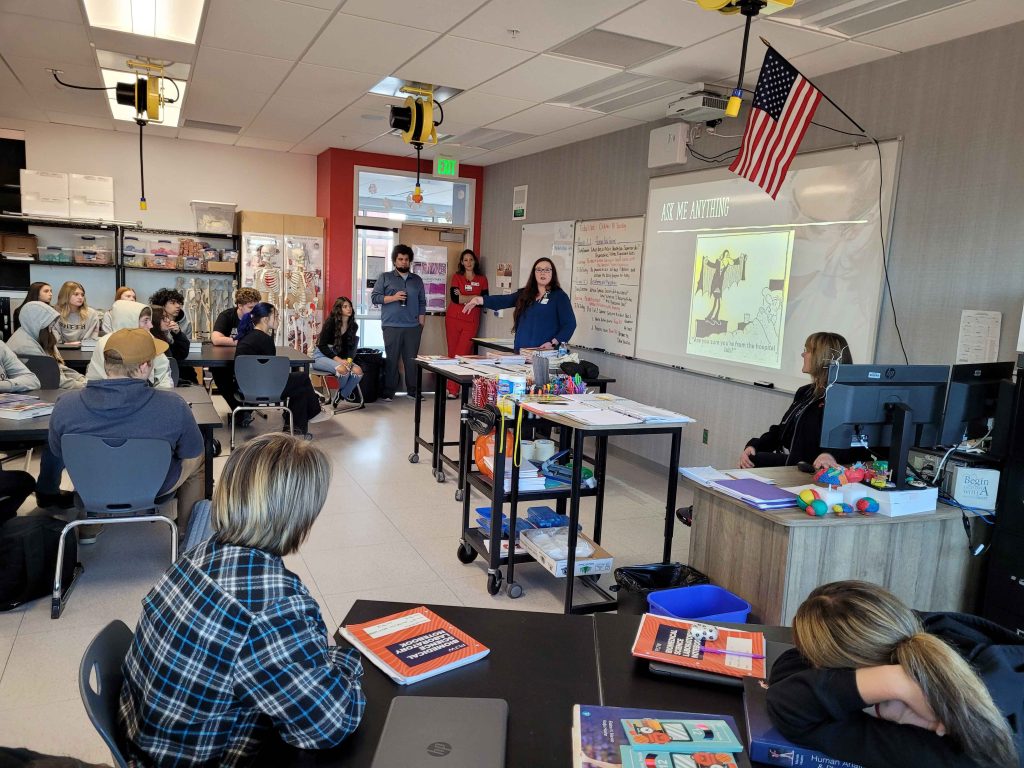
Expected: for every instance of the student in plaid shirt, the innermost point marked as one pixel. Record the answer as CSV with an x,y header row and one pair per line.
x,y
230,643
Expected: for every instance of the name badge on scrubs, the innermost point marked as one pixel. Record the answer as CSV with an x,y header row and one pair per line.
x,y
545,299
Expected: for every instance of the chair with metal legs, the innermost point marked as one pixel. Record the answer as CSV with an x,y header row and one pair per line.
x,y
261,384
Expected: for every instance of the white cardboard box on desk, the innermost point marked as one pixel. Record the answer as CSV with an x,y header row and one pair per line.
x,y
894,503
598,562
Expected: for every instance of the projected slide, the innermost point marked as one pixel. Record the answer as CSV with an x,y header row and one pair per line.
x,y
733,282
740,284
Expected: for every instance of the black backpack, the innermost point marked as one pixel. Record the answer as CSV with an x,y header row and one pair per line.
x,y
28,558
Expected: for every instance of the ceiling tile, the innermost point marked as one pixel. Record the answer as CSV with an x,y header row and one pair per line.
x,y
598,127
327,5
309,149
232,70
836,57
541,24
453,149
461,63
337,86
15,100
386,145
267,27
544,77
256,143
290,120
365,119
86,121
435,15
57,42
211,137
477,108
672,22
226,106
544,118
140,46
50,96
56,10
949,24
163,131
366,45
654,110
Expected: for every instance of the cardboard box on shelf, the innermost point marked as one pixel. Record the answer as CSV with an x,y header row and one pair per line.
x,y
23,244
600,561
222,266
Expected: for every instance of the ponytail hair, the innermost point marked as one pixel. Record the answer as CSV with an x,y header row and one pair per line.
x,y
855,624
249,319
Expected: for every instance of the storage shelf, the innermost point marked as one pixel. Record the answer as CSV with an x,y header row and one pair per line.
x,y
178,233
59,264
476,540
483,484
182,271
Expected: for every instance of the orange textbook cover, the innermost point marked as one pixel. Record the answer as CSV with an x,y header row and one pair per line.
x,y
413,645
674,641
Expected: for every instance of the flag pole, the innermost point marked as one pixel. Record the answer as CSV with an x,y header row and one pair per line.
x,y
823,94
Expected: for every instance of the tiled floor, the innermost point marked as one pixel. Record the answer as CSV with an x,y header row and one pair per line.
x,y
387,532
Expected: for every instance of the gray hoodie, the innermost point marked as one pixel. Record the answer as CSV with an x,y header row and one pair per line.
x,y
14,376
125,314
35,316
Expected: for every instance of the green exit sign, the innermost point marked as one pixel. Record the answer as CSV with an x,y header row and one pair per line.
x,y
446,166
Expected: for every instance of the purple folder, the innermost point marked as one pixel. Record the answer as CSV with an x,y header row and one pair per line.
x,y
757,492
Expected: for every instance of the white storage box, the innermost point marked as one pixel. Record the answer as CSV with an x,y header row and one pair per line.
x,y
214,218
91,187
894,503
33,204
599,560
48,184
84,208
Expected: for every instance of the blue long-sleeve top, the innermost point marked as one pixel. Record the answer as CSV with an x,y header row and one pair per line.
x,y
546,320
393,313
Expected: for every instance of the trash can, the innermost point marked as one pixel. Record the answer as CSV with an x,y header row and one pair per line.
x,y
704,601
372,362
634,583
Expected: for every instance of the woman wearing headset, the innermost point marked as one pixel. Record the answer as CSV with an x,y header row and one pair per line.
x,y
797,438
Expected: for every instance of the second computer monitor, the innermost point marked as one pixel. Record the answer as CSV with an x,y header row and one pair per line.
x,y
973,400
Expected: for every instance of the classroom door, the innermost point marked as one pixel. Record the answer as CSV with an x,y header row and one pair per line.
x,y
434,341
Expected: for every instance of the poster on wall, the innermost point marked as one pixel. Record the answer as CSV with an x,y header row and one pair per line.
x,y
519,202
430,262
262,264
303,292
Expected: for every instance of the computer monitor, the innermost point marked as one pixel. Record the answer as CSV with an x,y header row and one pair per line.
x,y
894,406
972,400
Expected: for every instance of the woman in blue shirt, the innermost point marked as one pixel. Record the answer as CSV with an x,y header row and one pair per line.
x,y
543,315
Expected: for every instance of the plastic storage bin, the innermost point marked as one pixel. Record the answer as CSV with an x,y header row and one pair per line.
x,y
54,254
133,244
88,256
96,242
214,218
132,259
161,261
703,601
164,247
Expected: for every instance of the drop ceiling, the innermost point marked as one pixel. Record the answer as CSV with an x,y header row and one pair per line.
x,y
294,76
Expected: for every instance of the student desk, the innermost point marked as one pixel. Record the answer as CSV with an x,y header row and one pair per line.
x,y
542,664
500,345
210,357
34,432
774,559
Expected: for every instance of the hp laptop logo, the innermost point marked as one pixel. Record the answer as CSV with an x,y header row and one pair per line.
x,y
439,749
890,373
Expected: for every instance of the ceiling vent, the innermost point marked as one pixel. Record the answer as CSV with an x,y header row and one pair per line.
x,y
621,91
488,138
219,127
860,17
612,49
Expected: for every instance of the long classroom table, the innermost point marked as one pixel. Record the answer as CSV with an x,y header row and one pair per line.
x,y
211,357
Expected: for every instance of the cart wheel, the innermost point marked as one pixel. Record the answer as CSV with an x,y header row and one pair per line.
x,y
439,476
513,590
459,494
414,458
215,447
493,583
466,553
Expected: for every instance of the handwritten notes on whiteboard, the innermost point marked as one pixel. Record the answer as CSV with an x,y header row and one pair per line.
x,y
607,257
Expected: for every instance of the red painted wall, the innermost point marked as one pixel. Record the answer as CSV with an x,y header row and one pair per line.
x,y
335,202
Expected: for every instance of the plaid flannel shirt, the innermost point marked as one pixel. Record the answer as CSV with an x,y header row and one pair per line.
x,y
229,643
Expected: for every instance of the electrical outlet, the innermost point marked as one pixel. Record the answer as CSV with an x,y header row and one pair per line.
x,y
704,439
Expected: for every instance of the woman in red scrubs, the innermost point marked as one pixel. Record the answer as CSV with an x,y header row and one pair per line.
x,y
460,327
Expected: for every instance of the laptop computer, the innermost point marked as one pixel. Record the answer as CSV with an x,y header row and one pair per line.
x,y
447,732
773,650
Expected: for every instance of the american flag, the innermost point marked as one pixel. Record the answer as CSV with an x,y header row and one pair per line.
x,y
784,103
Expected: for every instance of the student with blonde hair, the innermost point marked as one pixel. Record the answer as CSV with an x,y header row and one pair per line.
x,y
77,320
858,646
229,639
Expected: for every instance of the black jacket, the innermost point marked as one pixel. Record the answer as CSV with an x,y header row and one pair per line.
x,y
179,344
822,709
347,348
798,434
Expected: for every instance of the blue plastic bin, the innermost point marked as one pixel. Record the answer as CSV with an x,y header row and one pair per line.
x,y
702,601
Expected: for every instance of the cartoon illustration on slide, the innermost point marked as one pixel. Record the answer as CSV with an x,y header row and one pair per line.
x,y
717,275
739,293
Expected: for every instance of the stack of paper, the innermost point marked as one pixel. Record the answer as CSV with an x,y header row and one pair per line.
x,y
26,410
438,359
703,475
756,493
647,413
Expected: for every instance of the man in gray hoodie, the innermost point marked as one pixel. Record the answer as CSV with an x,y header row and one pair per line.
x,y
125,405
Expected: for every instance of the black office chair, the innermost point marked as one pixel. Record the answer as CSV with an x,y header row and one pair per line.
x,y
45,368
99,683
109,498
261,384
175,370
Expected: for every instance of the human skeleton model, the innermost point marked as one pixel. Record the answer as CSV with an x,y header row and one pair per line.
x,y
267,276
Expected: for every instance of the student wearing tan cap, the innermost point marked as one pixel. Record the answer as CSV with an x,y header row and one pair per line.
x,y
124,405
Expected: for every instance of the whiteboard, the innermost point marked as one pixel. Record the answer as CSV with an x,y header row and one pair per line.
x,y
552,240
734,282
607,257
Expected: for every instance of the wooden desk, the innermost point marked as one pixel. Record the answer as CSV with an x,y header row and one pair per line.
x,y
774,559
210,357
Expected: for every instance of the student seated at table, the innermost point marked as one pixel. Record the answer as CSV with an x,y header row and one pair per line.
x,y
858,646
230,643
336,346
173,303
123,293
797,437
126,315
225,334
123,404
36,292
165,329
14,376
36,336
77,320
256,337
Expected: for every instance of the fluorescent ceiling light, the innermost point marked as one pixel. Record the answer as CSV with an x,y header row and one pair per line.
x,y
176,20
171,112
